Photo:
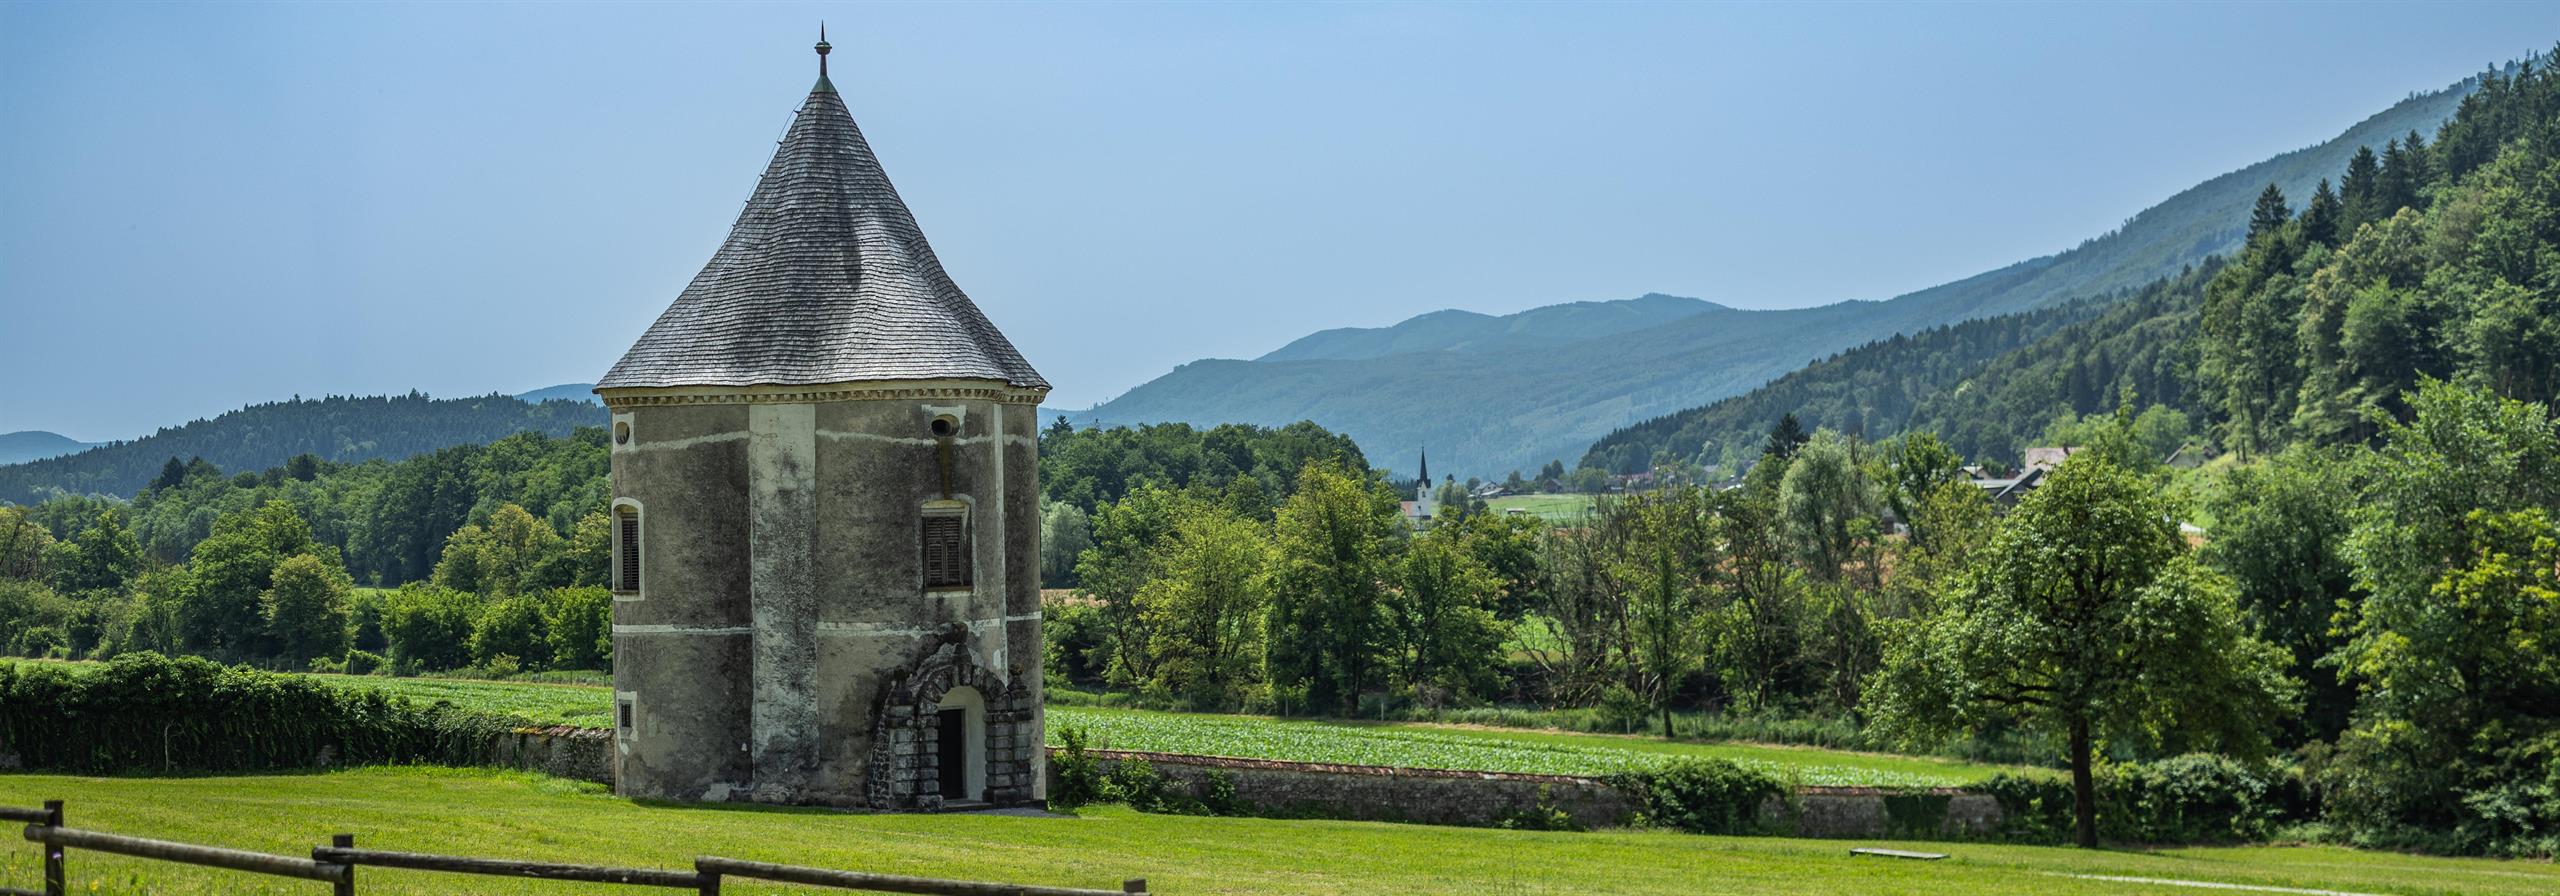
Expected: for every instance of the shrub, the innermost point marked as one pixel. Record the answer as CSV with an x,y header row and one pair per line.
x,y
1701,796
2196,798
364,663
1080,780
146,712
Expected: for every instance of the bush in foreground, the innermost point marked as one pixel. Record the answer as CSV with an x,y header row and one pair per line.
x,y
147,712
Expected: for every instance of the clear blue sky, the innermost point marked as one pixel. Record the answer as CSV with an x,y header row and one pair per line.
x,y
204,205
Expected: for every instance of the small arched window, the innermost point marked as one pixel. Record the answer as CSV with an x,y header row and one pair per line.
x,y
945,532
626,549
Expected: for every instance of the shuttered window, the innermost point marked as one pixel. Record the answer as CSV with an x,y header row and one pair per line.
x,y
626,550
946,550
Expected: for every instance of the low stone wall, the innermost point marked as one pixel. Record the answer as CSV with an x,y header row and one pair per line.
x,y
1372,793
583,754
1483,799
1422,796
1865,813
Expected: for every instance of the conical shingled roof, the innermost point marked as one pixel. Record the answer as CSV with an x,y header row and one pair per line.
x,y
824,279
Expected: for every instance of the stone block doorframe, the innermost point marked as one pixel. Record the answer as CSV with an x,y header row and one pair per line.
x,y
907,730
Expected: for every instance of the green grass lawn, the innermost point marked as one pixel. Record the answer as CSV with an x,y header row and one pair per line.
x,y
1555,508
509,815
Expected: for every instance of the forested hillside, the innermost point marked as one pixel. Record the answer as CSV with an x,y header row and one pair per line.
x,y
1987,387
2419,260
341,428
1487,400
1870,390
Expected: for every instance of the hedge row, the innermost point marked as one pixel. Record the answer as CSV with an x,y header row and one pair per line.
x,y
2196,798
144,712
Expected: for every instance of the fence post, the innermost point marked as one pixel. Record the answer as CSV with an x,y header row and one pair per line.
x,y
55,882
1134,885
345,886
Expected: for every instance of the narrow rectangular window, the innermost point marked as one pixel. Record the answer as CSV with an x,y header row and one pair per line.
x,y
946,551
626,550
626,715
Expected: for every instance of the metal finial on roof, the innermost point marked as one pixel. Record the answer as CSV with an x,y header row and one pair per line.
x,y
823,48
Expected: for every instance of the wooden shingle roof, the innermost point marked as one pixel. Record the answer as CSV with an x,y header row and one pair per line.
x,y
824,279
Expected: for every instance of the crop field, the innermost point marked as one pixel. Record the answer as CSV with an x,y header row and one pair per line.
x,y
1418,745
1555,508
518,816
1406,744
586,706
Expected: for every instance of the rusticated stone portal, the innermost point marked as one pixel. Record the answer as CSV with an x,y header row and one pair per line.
x,y
907,741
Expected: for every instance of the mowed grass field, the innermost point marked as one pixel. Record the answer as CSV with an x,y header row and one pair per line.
x,y
518,816
1406,744
1555,508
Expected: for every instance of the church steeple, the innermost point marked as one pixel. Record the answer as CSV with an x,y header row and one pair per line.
x,y
1426,468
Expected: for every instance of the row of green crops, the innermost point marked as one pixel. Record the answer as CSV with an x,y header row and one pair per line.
x,y
1416,746
585,706
146,712
1250,737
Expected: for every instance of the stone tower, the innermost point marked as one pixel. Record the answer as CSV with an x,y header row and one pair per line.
x,y
826,512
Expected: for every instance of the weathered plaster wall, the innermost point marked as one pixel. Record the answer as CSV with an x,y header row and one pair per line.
x,y
682,643
783,596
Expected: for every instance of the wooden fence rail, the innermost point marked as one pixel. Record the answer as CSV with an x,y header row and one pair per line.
x,y
335,864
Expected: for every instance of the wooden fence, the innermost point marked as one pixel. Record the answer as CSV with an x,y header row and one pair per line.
x,y
336,864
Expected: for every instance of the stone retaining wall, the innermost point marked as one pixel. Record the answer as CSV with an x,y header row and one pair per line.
x,y
582,754
1424,796
1372,793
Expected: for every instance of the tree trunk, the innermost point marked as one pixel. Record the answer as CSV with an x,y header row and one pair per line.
x,y
1666,720
2084,790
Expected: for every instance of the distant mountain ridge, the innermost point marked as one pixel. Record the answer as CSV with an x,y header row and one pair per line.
x,y
1453,330
1490,394
36,444
339,428
585,392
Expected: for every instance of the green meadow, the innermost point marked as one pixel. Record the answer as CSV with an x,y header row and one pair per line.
x,y
520,816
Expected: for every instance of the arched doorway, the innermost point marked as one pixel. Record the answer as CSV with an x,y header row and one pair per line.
x,y
960,720
998,726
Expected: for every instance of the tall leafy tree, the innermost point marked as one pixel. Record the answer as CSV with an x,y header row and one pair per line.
x,y
102,558
1447,641
1328,623
1822,501
1669,565
2448,646
2280,532
2086,620
1205,610
306,607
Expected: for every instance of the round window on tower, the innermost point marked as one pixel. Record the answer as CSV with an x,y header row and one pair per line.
x,y
622,432
944,426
